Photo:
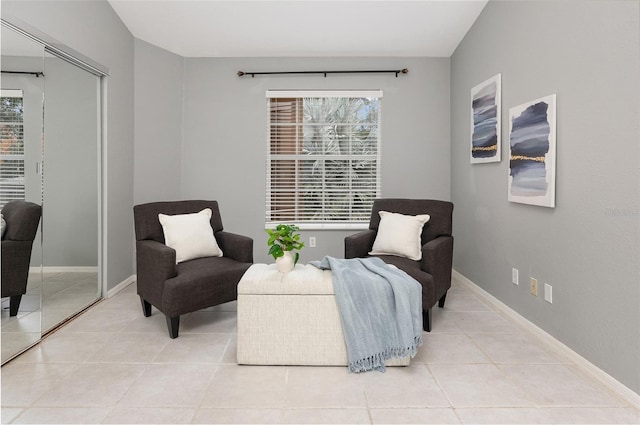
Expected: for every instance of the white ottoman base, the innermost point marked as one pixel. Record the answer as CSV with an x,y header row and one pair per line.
x,y
290,319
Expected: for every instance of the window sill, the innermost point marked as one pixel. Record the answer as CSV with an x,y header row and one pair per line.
x,y
323,226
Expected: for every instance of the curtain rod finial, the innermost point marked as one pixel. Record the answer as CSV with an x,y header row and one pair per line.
x,y
405,71
240,73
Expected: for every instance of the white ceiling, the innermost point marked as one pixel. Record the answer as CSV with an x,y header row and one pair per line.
x,y
301,28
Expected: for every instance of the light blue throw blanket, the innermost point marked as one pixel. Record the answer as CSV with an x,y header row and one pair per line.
x,y
381,310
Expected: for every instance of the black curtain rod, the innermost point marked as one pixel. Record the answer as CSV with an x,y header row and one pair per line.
x,y
392,71
37,74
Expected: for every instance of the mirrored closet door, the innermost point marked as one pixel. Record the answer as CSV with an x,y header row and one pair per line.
x,y
61,171
21,145
70,191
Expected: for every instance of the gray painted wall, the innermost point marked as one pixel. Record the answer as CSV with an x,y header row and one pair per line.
x,y
225,134
588,247
93,29
158,123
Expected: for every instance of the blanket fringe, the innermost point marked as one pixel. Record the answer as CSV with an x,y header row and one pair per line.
x,y
376,361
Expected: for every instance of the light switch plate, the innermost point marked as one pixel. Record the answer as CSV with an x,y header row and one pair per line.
x,y
548,293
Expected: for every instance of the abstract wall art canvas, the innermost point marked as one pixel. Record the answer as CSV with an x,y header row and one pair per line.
x,y
532,152
485,121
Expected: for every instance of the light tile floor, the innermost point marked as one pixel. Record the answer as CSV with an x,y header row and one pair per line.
x,y
51,298
112,365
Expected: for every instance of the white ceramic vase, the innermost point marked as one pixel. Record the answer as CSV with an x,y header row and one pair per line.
x,y
285,263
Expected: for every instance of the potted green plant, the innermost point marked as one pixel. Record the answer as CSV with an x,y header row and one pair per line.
x,y
283,240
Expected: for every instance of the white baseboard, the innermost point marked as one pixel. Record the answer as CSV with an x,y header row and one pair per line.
x,y
64,269
120,286
592,370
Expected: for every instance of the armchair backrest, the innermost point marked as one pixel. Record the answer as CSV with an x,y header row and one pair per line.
x,y
22,219
441,212
147,225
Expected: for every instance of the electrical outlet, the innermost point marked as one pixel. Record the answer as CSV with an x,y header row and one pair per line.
x,y
534,286
312,242
548,293
514,276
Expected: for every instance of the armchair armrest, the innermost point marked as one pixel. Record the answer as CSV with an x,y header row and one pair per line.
x,y
16,251
437,260
155,263
15,266
237,247
359,244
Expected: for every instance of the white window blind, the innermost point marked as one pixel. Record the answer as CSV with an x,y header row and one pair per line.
x,y
323,158
11,146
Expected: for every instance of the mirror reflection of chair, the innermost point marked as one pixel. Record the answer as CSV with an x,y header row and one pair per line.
x,y
22,219
191,285
433,270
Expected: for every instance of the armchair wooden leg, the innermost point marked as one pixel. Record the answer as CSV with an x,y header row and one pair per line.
x,y
14,304
426,320
146,307
441,301
173,323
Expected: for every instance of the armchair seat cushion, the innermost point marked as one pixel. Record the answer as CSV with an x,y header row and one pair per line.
x,y
413,269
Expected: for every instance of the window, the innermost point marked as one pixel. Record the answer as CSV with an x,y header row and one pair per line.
x,y
11,146
323,160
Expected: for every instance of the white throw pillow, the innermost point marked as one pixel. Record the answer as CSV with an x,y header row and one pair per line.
x,y
399,234
190,235
3,226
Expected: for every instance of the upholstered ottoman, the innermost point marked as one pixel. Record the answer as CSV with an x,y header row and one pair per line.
x,y
290,319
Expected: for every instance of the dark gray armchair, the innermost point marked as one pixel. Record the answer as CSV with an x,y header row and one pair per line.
x,y
22,220
434,270
176,289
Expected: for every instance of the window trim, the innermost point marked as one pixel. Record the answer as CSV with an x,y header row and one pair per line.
x,y
320,224
277,94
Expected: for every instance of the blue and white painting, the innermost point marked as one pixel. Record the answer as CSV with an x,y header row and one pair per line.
x,y
532,157
485,121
